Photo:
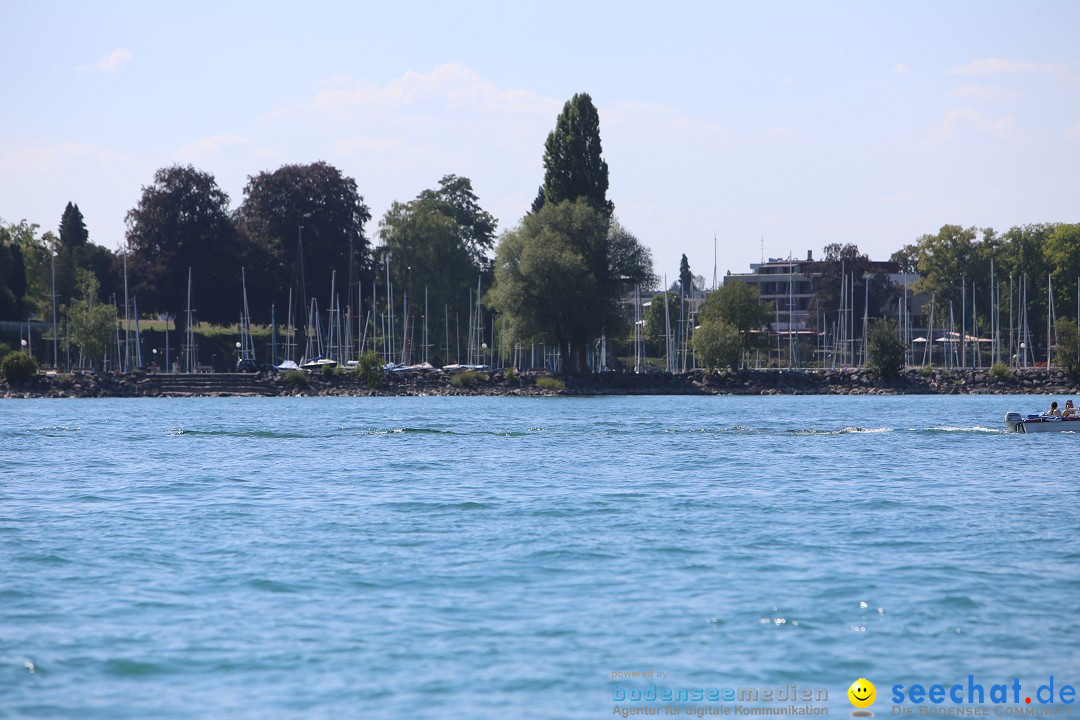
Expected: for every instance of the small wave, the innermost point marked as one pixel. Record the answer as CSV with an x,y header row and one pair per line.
x,y
972,429
45,559
261,434
437,431
133,668
742,429
273,586
430,507
960,601
55,428
843,431
406,431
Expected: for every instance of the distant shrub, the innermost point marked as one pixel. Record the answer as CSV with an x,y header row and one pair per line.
x,y
369,370
885,349
1000,371
18,367
295,379
510,373
551,383
926,371
328,370
468,378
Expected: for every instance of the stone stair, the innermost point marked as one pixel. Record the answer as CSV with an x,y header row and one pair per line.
x,y
204,384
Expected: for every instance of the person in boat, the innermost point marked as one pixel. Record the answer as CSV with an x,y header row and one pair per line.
x,y
1054,412
1069,410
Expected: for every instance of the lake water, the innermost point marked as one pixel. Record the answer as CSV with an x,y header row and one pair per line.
x,y
503,557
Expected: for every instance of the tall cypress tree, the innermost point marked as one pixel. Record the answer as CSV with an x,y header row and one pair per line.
x,y
686,278
69,252
574,166
73,232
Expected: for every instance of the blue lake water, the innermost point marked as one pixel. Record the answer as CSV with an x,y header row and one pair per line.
x,y
502,557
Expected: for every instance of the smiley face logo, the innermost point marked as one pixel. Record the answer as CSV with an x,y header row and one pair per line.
x,y
862,693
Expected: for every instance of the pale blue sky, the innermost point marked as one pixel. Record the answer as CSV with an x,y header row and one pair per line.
x,y
805,123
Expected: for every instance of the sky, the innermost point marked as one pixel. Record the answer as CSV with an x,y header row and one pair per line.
x,y
774,127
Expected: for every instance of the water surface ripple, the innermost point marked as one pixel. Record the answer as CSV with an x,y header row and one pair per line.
x,y
501,557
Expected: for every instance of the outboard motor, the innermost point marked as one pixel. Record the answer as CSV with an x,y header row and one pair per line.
x,y
1014,422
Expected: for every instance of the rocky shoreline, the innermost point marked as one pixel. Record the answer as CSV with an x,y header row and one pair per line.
x,y
698,382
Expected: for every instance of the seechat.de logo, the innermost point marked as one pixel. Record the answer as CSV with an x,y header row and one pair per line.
x,y
862,694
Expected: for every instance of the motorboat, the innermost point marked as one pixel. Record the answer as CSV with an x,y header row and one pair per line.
x,y
318,363
1017,423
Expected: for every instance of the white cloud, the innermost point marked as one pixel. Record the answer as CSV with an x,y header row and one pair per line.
x,y
448,87
984,92
901,69
998,66
221,143
964,120
348,146
110,63
43,160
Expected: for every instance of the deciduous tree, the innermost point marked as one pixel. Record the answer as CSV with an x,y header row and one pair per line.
x,y
736,303
182,221
90,321
718,344
845,265
12,277
438,243
332,214
561,272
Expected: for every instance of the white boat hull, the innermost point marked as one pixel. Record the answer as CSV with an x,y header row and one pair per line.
x,y
1015,422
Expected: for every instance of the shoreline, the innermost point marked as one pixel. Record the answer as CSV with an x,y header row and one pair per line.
x,y
1037,381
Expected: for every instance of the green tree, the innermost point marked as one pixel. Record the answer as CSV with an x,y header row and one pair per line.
x,y
332,214
1024,258
718,344
12,277
438,243
1067,350
1063,256
737,303
18,367
686,278
74,250
182,221
560,274
907,258
841,264
574,165
945,259
90,321
885,349
73,232
35,252
73,237
656,327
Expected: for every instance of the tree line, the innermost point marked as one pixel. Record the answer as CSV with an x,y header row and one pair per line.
x,y
558,277
302,229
